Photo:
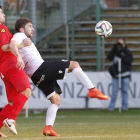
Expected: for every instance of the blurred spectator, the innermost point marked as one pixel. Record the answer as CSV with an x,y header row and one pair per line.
x,y
121,51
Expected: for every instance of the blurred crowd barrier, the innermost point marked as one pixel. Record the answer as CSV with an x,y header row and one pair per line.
x,y
74,95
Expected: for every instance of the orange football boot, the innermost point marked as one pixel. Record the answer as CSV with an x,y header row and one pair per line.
x,y
2,135
48,131
95,93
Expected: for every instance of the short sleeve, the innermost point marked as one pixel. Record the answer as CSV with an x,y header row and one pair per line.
x,y
19,37
5,36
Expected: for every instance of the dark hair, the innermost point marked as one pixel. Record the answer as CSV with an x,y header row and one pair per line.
x,y
20,23
0,7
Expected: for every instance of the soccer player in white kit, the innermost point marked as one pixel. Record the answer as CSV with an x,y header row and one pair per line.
x,y
45,74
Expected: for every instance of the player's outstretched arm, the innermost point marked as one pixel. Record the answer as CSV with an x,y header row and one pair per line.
x,y
26,42
5,48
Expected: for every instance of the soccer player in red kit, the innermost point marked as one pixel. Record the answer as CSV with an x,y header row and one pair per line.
x,y
16,82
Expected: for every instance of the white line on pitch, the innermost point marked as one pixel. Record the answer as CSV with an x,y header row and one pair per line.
x,y
86,123
76,137
82,117
69,137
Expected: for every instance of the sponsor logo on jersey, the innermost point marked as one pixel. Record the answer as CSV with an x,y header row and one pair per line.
x,y
41,79
60,71
2,31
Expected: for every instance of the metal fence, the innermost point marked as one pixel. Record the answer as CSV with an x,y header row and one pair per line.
x,y
64,29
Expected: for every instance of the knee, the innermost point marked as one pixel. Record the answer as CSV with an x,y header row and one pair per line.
x,y
73,65
55,99
27,92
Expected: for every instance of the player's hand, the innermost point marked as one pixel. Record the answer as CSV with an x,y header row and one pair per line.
x,y
27,42
20,64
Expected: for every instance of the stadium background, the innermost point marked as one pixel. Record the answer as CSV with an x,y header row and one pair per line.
x,y
64,29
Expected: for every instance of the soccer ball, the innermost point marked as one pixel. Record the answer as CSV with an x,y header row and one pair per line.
x,y
103,29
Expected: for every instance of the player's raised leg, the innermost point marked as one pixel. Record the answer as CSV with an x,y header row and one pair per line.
x,y
83,78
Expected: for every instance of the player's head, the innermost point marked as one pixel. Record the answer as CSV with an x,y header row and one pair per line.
x,y
2,16
25,26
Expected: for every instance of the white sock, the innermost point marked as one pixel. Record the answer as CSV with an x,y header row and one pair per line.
x,y
51,114
82,78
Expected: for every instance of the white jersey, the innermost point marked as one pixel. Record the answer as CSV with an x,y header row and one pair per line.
x,y
30,55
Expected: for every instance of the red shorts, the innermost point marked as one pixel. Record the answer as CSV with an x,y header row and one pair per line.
x,y
16,81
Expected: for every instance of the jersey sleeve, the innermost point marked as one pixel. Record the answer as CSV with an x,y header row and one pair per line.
x,y
5,36
19,37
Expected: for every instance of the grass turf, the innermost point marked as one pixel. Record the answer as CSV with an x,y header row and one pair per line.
x,y
80,125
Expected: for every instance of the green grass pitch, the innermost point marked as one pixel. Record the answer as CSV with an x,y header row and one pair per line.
x,y
80,125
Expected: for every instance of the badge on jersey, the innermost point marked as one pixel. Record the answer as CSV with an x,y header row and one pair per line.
x,y
2,31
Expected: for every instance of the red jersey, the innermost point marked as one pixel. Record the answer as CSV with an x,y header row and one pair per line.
x,y
5,57
15,80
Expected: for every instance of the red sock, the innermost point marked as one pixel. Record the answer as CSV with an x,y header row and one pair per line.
x,y
18,104
4,114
